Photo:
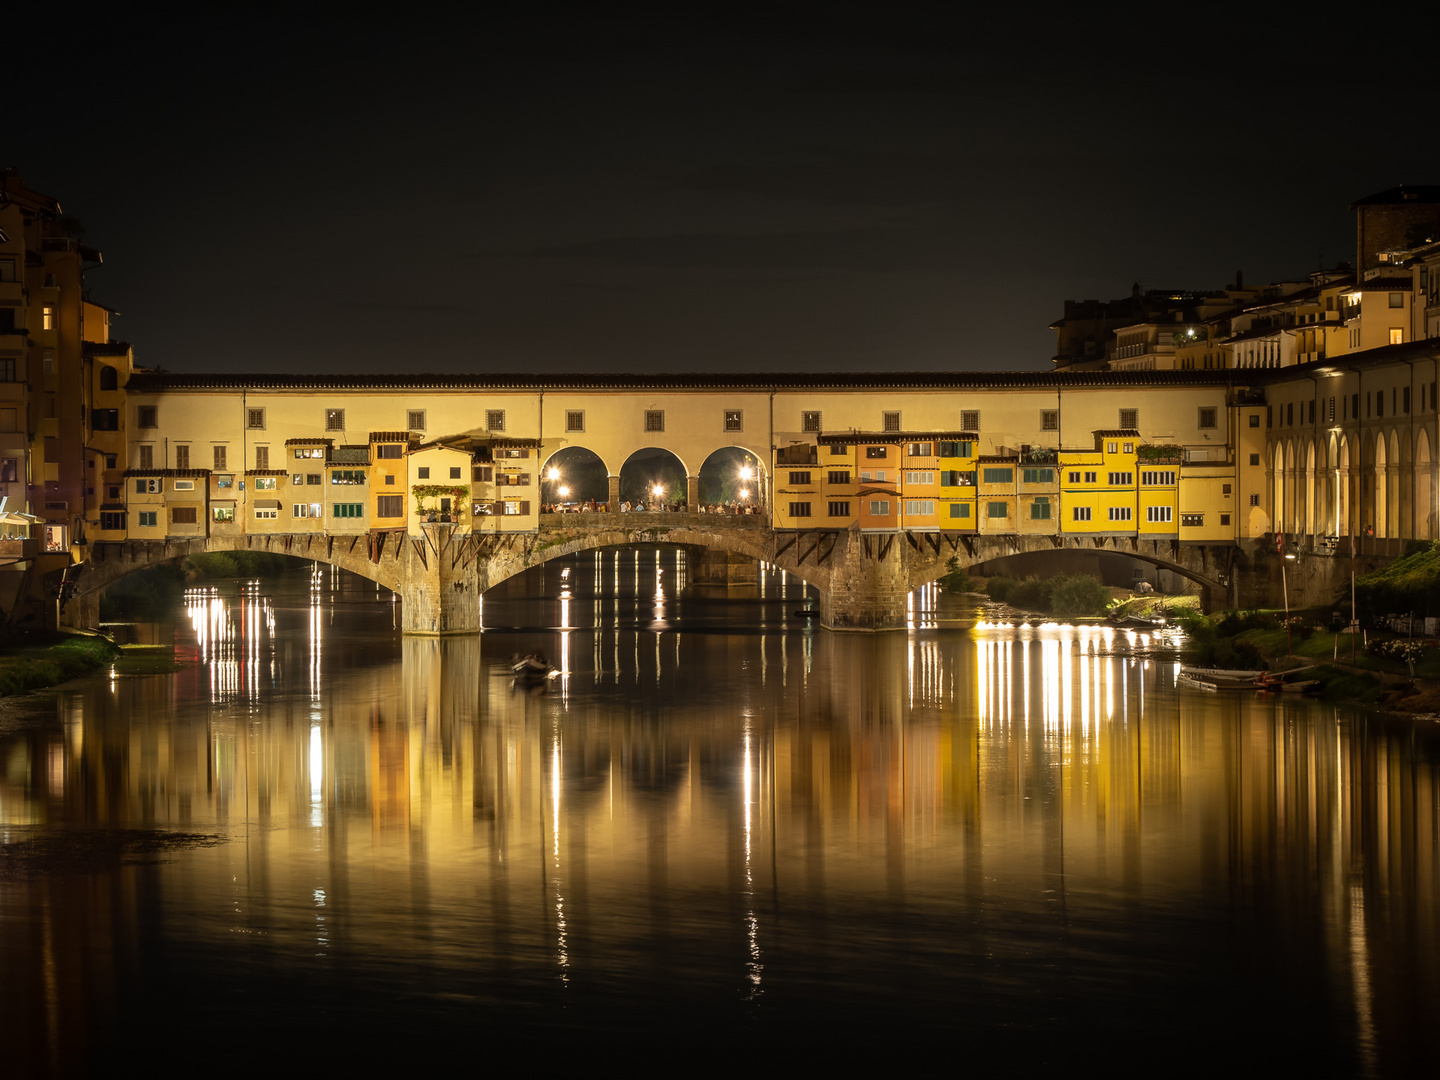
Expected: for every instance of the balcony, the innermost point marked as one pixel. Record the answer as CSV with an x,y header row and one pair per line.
x,y
19,547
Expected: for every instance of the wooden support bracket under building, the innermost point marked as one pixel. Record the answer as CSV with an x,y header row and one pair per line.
x,y
886,549
827,552
420,550
786,546
807,553
969,543
911,540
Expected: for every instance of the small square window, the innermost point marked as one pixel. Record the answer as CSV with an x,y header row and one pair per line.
x,y
334,419
255,419
734,420
575,420
1254,459
1130,418
1255,419
423,473
415,419
495,420
1049,419
810,421
892,421
454,472
1254,500
654,419
1206,417
145,416
970,420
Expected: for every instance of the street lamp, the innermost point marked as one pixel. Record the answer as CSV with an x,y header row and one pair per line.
x,y
554,473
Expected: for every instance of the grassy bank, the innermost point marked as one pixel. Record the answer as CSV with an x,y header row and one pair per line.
x,y
64,657
1372,671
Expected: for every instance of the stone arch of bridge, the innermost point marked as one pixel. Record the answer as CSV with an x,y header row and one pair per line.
x,y
111,562
620,531
923,574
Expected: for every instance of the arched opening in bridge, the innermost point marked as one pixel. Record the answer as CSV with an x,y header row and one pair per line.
x,y
1424,490
1114,568
1277,487
1342,490
574,475
1311,496
1379,488
732,476
1399,461
653,478
642,586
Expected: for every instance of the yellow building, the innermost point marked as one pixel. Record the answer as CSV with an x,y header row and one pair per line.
x,y
1098,487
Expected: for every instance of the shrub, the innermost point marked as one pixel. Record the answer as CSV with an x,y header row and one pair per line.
x,y
1033,594
1078,594
957,580
998,588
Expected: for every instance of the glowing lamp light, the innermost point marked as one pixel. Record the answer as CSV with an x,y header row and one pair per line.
x,y
564,492
744,493
657,490
746,472
554,473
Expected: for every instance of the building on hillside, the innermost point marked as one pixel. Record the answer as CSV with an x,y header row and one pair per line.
x,y
61,384
1397,219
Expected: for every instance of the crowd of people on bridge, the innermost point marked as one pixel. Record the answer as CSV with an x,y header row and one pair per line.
x,y
643,507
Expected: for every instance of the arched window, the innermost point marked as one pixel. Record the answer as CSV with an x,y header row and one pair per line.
x,y
109,380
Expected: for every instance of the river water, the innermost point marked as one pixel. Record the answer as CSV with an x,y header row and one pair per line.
x,y
722,837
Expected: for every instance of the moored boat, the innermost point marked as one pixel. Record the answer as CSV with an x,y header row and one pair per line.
x,y
531,668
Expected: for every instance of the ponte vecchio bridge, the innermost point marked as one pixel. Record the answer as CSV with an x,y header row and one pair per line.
x,y
434,486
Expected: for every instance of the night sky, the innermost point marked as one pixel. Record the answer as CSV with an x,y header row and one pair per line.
x,y
771,187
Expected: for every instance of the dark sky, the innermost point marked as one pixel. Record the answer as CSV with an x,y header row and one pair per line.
x,y
796,187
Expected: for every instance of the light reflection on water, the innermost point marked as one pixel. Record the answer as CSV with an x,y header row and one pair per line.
x,y
718,823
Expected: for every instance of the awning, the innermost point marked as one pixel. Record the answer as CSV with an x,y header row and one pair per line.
x,y
267,504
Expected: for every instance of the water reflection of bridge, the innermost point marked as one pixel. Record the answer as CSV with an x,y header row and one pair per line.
x,y
1040,772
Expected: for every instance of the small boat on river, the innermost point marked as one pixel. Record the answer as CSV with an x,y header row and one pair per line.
x,y
531,668
1138,622
1226,679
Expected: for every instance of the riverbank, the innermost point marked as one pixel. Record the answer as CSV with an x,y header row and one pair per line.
x,y
1346,670
50,662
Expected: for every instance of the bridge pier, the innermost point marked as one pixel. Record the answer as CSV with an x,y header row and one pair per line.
x,y
441,593
80,612
868,593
